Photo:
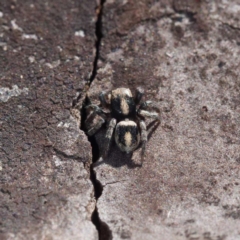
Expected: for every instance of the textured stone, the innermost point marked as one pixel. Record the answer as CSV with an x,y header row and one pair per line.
x,y
45,191
185,54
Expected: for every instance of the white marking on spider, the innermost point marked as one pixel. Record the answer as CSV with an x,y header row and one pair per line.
x,y
127,122
128,139
121,92
124,107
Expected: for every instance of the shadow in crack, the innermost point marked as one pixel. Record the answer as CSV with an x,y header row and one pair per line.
x,y
116,158
104,231
152,127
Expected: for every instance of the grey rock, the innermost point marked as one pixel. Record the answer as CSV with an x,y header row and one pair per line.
x,y
46,192
186,57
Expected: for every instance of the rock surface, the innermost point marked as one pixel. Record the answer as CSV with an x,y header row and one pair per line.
x,y
46,56
185,54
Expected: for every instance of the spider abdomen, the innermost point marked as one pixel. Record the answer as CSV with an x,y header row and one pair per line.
x,y
127,136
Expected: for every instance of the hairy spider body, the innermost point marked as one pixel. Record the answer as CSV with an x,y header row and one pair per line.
x,y
122,103
127,136
126,120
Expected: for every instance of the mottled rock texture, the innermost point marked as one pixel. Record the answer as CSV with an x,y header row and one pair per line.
x,y
46,56
185,54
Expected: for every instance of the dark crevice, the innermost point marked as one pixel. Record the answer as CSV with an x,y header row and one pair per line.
x,y
191,15
61,153
99,36
231,26
103,229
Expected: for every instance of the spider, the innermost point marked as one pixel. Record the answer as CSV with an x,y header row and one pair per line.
x,y
126,120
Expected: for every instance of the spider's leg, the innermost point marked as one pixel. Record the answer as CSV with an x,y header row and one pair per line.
x,y
109,134
103,98
143,138
93,123
149,105
94,120
139,95
94,108
147,114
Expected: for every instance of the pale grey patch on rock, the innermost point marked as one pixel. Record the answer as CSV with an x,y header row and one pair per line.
x,y
30,36
57,160
7,93
79,33
54,64
15,26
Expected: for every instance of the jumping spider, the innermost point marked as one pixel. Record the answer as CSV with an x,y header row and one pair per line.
x,y
124,118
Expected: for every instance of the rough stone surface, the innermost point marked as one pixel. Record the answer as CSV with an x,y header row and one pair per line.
x,y
46,55
185,54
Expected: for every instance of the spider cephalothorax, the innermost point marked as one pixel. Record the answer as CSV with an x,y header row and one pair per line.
x,y
122,103
126,121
